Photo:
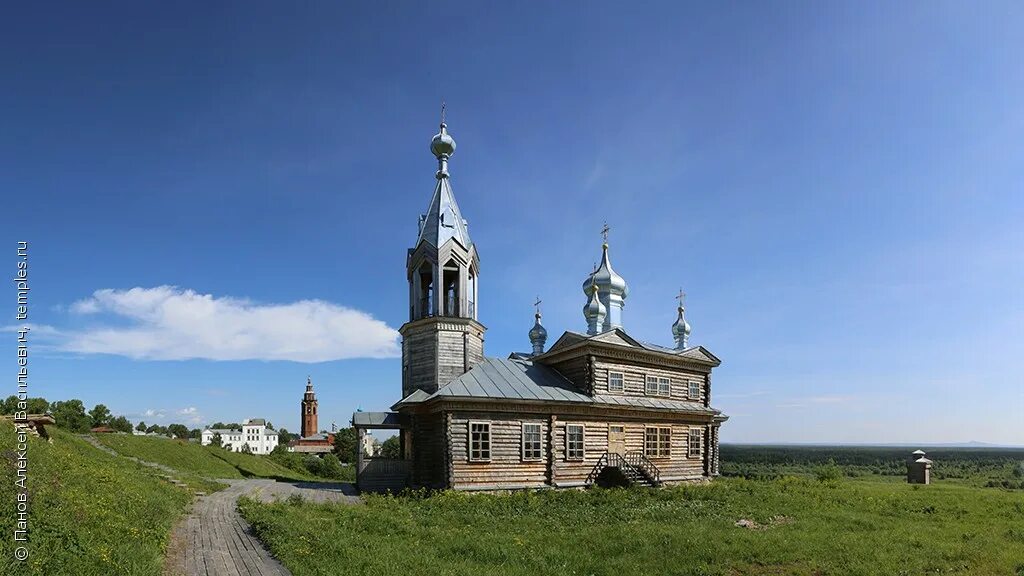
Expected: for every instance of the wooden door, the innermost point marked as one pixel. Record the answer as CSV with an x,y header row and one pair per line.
x,y
617,439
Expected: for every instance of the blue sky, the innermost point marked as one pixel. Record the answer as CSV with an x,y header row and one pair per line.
x,y
837,186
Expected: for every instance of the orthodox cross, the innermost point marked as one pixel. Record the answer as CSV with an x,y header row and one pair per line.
x,y
442,111
536,305
681,297
604,232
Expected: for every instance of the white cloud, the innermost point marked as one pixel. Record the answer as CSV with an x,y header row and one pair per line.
x,y
170,323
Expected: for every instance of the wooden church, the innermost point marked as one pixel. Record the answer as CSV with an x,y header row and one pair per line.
x,y
596,407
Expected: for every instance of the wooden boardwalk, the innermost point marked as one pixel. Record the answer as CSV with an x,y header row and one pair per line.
x,y
216,541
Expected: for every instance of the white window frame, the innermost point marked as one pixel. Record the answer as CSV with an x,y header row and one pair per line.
x,y
662,445
662,386
533,453
693,448
480,457
622,382
694,385
569,452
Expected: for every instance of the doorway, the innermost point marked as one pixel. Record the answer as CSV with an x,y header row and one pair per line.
x,y
617,439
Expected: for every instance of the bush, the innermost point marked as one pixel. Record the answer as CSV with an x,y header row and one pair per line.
x,y
829,472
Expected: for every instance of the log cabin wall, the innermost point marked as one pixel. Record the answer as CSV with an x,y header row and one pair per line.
x,y
576,370
678,466
635,380
419,361
506,468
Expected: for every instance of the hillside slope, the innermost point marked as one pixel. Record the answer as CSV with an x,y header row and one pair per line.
x,y
196,459
90,513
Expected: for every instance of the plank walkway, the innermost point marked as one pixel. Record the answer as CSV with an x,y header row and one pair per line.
x,y
214,540
219,542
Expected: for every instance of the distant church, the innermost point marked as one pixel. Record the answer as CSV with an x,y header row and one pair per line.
x,y
595,406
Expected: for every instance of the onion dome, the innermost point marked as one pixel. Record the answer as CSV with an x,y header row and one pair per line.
x,y
538,334
681,330
606,279
594,311
442,145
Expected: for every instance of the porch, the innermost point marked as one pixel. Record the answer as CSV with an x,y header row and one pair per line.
x,y
375,474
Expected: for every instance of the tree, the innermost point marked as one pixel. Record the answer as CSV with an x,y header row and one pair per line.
x,y
179,430
391,448
141,427
100,415
270,426
70,415
10,405
216,440
121,424
284,436
345,445
246,449
38,405
195,433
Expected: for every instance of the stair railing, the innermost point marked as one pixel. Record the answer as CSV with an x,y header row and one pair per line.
x,y
639,461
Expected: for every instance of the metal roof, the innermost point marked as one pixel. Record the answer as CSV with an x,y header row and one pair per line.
x,y
443,220
377,420
515,379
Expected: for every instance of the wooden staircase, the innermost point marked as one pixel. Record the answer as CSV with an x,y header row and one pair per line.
x,y
634,465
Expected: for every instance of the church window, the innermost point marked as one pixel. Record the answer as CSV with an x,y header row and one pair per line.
x,y
615,382
694,390
479,441
658,441
574,442
532,441
694,443
658,386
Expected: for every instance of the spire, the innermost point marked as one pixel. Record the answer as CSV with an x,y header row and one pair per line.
x,y
681,329
443,220
538,335
611,288
594,311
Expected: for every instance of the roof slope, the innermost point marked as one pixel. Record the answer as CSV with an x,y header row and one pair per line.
x,y
443,220
522,380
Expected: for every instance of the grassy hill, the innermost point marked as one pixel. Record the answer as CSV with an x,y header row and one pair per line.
x,y
92,514
194,458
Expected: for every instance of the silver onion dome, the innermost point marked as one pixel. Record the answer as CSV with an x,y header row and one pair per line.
x,y
606,279
594,311
538,332
442,145
538,335
681,330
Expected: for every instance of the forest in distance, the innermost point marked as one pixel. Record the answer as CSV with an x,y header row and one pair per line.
x,y
981,466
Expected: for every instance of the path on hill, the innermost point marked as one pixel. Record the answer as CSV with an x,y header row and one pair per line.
x,y
167,473
216,541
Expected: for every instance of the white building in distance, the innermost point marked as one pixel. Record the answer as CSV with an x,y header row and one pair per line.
x,y
254,434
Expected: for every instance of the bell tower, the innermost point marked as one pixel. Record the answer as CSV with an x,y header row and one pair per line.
x,y
309,416
442,339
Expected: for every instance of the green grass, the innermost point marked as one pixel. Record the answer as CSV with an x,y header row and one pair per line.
x,y
200,460
860,527
91,514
